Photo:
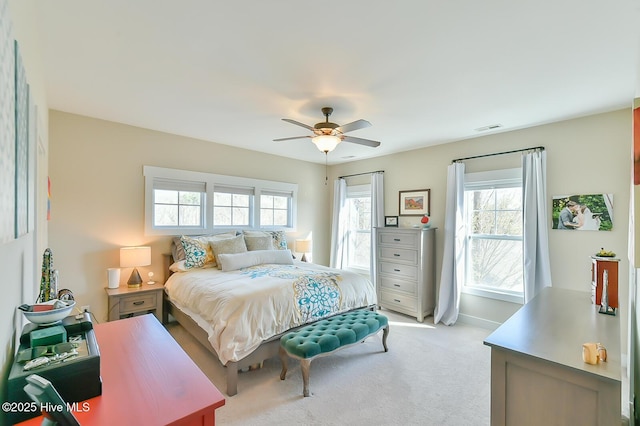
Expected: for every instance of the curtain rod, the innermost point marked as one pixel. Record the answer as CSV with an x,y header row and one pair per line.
x,y
360,174
541,148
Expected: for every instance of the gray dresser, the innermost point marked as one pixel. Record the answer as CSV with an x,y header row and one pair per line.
x,y
405,270
538,376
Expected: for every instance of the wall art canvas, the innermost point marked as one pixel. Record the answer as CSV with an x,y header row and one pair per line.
x,y
32,166
7,127
588,212
22,144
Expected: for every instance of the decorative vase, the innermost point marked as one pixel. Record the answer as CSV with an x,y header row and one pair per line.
x,y
425,221
47,276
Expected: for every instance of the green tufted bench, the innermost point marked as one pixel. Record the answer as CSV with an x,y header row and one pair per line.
x,y
326,336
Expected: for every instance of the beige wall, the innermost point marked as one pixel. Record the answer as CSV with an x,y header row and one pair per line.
x,y
584,156
19,258
97,185
98,195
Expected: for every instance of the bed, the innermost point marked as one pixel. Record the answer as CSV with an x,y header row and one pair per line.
x,y
240,305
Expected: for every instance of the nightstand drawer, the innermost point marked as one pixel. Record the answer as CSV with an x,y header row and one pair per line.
x,y
398,239
405,271
399,285
403,255
137,303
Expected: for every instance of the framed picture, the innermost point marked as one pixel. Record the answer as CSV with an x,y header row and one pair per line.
x,y
582,212
415,203
391,221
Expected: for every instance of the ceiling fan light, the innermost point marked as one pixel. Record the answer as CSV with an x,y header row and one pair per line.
x,y
326,143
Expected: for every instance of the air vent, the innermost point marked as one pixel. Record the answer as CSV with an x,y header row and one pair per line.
x,y
489,127
348,156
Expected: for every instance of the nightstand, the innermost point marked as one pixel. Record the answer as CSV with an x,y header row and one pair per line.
x,y
127,302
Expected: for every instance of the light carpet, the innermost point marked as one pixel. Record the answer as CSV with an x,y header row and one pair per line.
x,y
432,375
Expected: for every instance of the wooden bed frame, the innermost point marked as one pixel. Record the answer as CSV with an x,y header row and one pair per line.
x,y
268,349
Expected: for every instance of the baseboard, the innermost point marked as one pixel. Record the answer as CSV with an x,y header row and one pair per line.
x,y
478,322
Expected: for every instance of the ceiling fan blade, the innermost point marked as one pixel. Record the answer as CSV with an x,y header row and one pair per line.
x,y
350,127
361,141
297,123
288,139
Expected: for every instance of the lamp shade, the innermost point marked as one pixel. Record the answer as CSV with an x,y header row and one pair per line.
x,y
326,143
303,246
135,256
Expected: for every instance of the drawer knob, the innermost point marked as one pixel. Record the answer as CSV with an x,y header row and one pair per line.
x,y
396,270
396,239
396,285
396,300
396,254
139,302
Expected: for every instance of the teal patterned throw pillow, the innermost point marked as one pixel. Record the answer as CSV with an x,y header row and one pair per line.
x,y
195,252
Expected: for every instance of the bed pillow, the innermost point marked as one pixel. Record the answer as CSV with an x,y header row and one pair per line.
x,y
197,251
178,266
177,251
279,239
232,262
228,246
264,242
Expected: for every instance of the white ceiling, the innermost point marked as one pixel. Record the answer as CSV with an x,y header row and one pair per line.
x,y
423,72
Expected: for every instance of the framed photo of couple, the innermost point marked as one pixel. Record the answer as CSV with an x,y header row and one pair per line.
x,y
588,212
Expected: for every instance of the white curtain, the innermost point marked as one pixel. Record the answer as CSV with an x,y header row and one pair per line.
x,y
537,267
377,215
452,274
339,225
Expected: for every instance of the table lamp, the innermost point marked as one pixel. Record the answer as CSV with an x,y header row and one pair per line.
x,y
304,247
132,257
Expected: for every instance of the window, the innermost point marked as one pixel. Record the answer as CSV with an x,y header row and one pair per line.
x,y
185,202
178,203
493,244
177,208
358,232
274,208
232,206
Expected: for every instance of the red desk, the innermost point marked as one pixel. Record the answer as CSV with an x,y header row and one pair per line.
x,y
147,379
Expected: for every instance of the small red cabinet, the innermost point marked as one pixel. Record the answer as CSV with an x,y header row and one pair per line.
x,y
598,266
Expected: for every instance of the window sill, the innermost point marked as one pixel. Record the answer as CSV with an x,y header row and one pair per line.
x,y
494,294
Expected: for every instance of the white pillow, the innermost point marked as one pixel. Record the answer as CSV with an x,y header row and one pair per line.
x,y
232,262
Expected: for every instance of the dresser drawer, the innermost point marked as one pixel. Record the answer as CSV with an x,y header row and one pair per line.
x,y
394,300
393,253
399,285
406,271
399,239
137,303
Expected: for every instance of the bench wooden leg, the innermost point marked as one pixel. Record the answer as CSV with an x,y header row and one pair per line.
x,y
385,333
284,360
305,364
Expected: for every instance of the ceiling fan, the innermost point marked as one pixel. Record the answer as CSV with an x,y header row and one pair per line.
x,y
327,135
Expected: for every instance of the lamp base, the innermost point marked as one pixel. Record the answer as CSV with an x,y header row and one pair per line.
x,y
134,280
304,257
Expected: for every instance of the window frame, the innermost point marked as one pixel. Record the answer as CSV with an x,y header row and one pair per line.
x,y
505,178
153,175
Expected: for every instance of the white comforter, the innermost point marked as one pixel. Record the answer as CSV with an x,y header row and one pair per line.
x,y
240,309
